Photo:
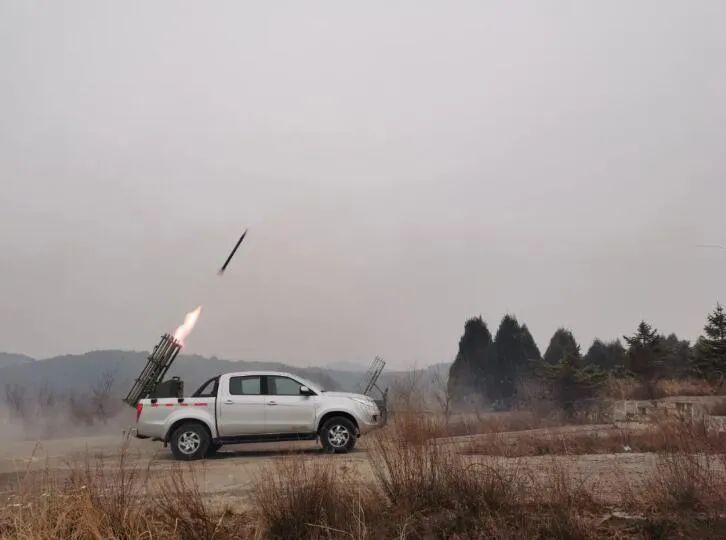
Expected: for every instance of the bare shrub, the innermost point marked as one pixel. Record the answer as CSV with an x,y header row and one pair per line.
x,y
15,400
96,501
181,507
419,426
683,387
104,405
432,490
562,502
684,482
622,388
424,476
630,388
406,392
666,435
299,498
718,408
498,422
441,391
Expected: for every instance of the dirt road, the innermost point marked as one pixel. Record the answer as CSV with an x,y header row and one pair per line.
x,y
229,477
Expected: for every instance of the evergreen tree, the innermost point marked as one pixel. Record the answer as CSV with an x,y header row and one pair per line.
x,y
606,356
677,356
646,354
570,380
531,351
509,360
710,350
467,373
562,342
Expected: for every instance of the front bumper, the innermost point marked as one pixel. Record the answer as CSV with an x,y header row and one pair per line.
x,y
372,420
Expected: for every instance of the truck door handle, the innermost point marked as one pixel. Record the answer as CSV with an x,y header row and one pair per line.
x,y
228,402
272,402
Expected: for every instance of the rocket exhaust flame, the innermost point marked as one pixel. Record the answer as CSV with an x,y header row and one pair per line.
x,y
190,320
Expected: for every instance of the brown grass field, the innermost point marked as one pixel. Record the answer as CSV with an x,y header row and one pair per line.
x,y
497,475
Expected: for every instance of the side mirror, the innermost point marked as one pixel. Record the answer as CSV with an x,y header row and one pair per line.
x,y
305,391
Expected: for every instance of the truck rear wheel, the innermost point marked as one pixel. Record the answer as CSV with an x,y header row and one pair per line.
x,y
190,441
338,435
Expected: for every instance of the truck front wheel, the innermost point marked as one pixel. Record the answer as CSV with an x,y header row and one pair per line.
x,y
338,435
190,441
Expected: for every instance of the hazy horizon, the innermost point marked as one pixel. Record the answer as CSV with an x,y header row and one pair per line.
x,y
402,166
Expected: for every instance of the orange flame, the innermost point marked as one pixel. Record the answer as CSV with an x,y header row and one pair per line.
x,y
190,320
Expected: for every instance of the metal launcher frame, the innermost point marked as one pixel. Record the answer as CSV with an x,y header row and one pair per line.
x,y
370,381
372,375
158,364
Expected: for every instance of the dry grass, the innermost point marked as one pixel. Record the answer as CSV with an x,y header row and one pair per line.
x,y
685,482
684,387
419,489
96,501
297,497
420,427
718,408
416,477
671,435
629,388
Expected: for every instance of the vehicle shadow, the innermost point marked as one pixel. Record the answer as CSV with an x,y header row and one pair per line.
x,y
279,452
242,453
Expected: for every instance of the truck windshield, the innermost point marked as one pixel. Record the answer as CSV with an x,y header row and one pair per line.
x,y
309,384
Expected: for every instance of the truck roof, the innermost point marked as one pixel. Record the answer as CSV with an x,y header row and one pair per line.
x,y
265,372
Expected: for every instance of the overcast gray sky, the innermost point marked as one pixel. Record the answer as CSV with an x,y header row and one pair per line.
x,y
402,166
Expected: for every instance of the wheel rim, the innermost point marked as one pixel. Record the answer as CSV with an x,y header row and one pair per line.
x,y
338,436
189,442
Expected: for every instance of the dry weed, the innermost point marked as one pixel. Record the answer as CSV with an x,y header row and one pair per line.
x,y
297,497
93,500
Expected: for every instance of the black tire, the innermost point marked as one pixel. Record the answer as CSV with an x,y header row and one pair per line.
x,y
190,441
338,435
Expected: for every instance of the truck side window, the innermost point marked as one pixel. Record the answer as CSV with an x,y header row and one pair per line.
x,y
208,389
245,386
282,386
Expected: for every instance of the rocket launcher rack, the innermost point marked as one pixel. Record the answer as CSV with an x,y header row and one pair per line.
x,y
370,382
158,364
370,379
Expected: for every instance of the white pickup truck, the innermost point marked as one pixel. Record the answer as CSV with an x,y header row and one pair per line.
x,y
256,406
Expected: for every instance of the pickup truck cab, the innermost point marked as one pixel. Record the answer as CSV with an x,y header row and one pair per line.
x,y
256,406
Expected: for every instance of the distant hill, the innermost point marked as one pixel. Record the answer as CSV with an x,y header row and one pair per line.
x,y
348,366
10,359
82,372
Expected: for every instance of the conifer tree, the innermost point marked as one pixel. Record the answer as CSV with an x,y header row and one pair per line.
x,y
606,356
561,343
645,355
570,380
467,373
677,356
531,351
710,350
508,361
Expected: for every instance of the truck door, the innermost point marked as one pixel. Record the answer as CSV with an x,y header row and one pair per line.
x,y
241,406
286,410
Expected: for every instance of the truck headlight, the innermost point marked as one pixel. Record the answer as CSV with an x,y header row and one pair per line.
x,y
367,404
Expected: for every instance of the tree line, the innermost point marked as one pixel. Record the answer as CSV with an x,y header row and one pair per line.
x,y
492,369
